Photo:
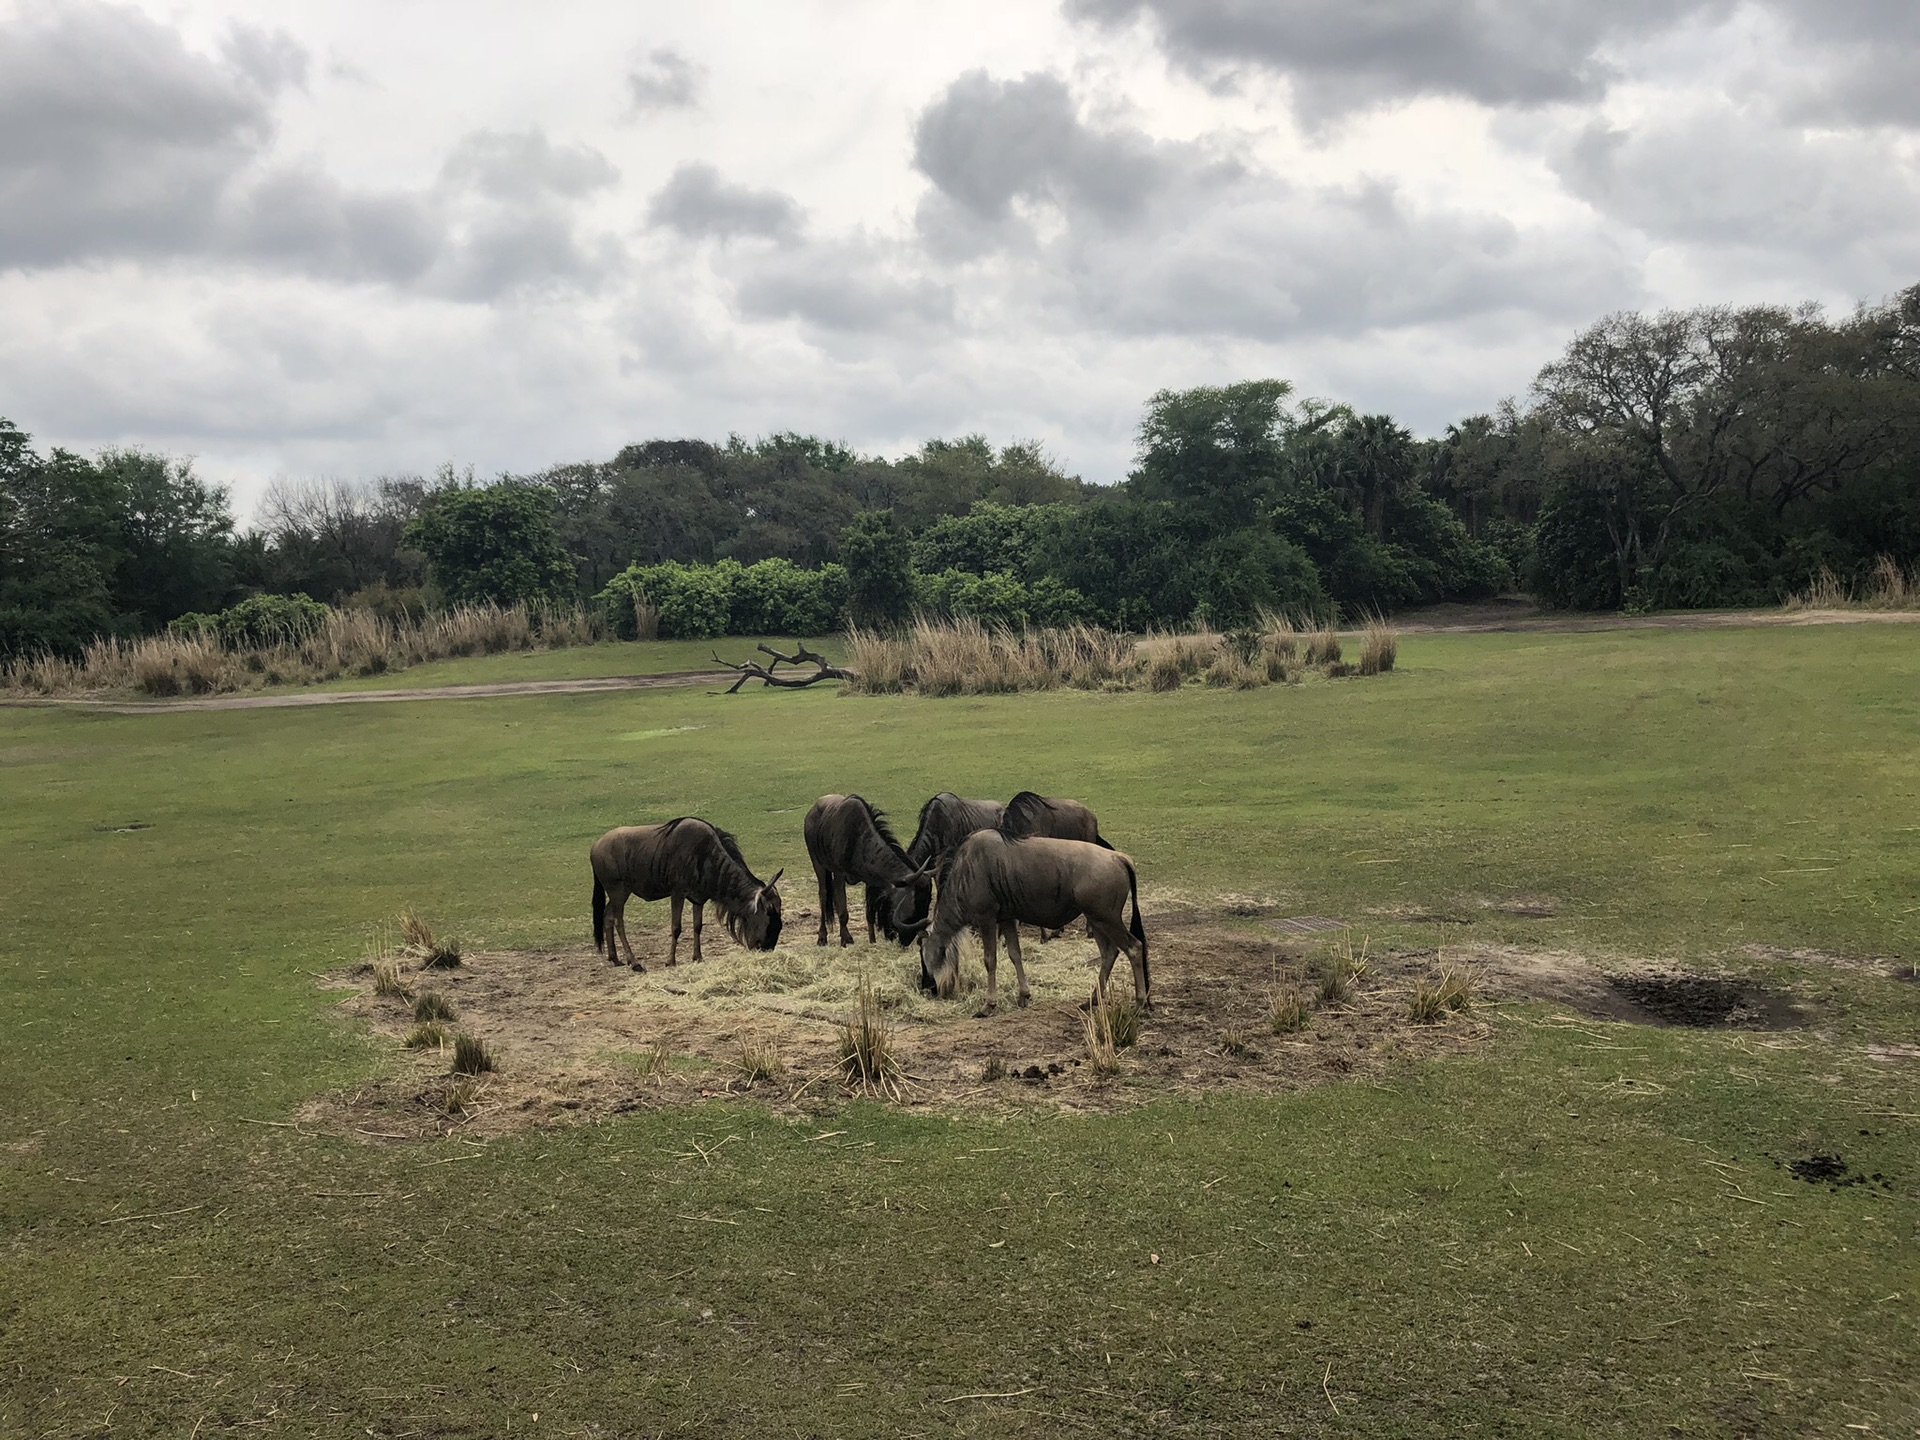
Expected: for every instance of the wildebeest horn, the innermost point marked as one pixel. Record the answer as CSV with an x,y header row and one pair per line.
x,y
776,877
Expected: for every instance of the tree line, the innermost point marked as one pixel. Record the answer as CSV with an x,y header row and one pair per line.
x,y
1710,457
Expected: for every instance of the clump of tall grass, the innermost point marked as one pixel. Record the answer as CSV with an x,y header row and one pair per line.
x,y
1279,645
387,981
1379,647
1287,1011
1235,1042
434,1006
431,1035
1096,1023
867,1061
1123,1019
882,664
347,641
760,1060
654,1062
470,1055
1886,587
1323,646
417,936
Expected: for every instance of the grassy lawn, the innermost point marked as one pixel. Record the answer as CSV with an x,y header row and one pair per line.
x,y
1576,1230
580,662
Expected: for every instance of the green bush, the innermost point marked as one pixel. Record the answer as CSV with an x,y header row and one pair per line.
x,y
254,624
773,597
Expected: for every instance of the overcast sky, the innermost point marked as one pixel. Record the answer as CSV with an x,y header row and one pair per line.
x,y
369,236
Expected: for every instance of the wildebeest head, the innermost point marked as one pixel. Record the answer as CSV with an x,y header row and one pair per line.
x,y
757,926
939,965
906,907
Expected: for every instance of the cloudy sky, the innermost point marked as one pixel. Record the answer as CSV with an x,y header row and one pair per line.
x,y
369,236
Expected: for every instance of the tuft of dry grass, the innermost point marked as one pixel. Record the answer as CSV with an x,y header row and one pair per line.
x,y
882,664
994,1069
1336,985
470,1055
1287,1011
1425,1006
417,936
1887,587
1165,672
460,1094
1379,647
1096,1022
434,1006
646,618
1457,988
1340,670
387,981
654,1062
760,1060
1235,1042
430,1036
1323,646
867,1060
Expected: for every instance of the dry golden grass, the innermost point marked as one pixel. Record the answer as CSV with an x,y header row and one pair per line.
x,y
1379,647
867,1060
1425,1006
1235,1042
760,1060
1287,1011
346,642
387,981
1457,988
1887,587
1165,672
654,1062
1096,1022
419,941
1322,647
431,1035
1123,1018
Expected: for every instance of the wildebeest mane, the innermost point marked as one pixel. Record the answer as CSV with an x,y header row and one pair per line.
x,y
723,874
879,819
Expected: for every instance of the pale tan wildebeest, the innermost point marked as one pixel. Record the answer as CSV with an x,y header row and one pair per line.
x,y
681,860
992,884
848,839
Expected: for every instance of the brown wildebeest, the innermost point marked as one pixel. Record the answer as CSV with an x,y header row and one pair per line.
x,y
992,884
681,860
848,839
1056,817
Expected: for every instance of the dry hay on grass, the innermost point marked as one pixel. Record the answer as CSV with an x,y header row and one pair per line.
x,y
575,1039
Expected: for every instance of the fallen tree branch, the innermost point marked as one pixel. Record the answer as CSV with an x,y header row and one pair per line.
x,y
768,674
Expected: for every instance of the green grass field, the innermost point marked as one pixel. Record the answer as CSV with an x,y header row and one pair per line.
x,y
1574,1230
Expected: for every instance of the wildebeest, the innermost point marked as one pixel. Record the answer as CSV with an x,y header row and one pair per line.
x,y
946,820
681,860
1028,815
993,883
848,839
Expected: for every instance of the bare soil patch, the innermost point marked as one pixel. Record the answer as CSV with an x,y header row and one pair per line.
x,y
1707,1002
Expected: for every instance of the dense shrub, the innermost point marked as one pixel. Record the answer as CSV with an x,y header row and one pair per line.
x,y
774,597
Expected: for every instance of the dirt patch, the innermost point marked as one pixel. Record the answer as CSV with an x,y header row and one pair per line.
x,y
577,1039
1890,966
1706,1002
1826,1168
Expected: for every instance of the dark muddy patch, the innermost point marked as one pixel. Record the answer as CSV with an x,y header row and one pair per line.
x,y
1826,1168
1706,1002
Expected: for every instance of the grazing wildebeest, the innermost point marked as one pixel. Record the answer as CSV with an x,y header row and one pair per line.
x,y
848,839
992,884
681,860
1028,815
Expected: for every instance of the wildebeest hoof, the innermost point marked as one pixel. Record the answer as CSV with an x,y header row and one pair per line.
x,y
638,968
1024,999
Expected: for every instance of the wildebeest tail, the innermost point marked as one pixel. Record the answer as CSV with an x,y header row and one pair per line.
x,y
1101,841
1134,926
599,911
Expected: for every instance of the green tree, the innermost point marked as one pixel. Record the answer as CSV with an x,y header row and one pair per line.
x,y
495,543
879,569
1216,451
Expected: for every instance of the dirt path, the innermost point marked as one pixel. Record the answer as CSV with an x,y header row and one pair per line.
x,y
375,697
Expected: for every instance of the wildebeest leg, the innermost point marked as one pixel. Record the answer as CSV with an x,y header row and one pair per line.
x,y
673,950
840,909
1113,941
986,950
699,919
1010,932
868,907
826,903
619,926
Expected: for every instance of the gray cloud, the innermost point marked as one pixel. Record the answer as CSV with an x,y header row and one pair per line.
x,y
524,167
668,81
1853,61
114,138
987,142
853,287
1724,177
699,204
1341,55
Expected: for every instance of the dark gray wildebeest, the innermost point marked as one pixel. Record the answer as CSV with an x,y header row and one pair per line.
x,y
992,884
681,860
848,839
946,820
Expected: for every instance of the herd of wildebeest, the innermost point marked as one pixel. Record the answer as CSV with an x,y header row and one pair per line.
x,y
973,864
